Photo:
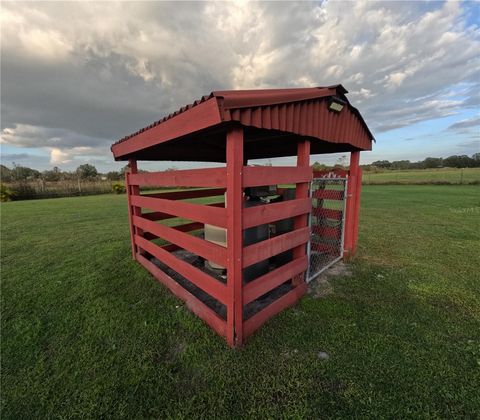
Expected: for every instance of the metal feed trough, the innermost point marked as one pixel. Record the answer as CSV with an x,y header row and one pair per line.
x,y
247,248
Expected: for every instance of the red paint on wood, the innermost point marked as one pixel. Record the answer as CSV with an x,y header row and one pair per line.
x,y
302,191
209,177
327,231
158,215
329,249
234,236
272,279
196,212
358,192
187,227
268,213
199,117
288,299
195,305
329,214
273,246
182,195
350,211
199,278
205,249
130,213
254,176
328,194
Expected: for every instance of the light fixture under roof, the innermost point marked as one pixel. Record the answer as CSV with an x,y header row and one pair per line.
x,y
335,104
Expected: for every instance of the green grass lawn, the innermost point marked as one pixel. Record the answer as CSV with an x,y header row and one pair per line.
x,y
86,332
424,176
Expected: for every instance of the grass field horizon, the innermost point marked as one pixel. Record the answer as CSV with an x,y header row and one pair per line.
x,y
461,176
86,332
36,190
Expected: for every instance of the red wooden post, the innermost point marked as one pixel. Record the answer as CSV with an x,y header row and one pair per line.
x,y
132,190
351,216
234,236
301,191
358,193
130,211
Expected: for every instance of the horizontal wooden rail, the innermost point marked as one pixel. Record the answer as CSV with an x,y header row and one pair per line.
x,y
200,279
158,215
261,251
255,176
259,215
327,231
205,249
329,214
187,227
275,278
196,212
193,303
209,177
288,299
328,194
183,195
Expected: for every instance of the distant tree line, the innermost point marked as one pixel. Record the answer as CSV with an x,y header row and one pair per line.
x,y
88,172
455,161
83,172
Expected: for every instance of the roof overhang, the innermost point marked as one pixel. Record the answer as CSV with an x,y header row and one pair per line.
x,y
274,119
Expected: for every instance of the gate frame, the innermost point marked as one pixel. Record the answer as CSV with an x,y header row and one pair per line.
x,y
332,174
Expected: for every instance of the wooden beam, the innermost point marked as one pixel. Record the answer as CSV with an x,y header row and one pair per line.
x,y
132,191
209,177
300,222
358,192
205,249
272,279
234,236
199,278
255,176
196,212
186,194
350,211
268,213
261,251
158,215
128,190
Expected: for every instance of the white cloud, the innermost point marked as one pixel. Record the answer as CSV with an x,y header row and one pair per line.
x,y
58,157
84,74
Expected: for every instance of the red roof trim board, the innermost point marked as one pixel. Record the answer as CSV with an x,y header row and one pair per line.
x,y
299,111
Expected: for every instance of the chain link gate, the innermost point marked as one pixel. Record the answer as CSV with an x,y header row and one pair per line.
x,y
327,223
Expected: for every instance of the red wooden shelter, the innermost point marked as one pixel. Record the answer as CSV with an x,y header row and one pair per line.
x,y
233,127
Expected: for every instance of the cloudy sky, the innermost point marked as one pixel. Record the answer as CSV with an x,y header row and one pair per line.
x,y
77,76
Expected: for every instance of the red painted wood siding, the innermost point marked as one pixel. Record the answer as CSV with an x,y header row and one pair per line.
x,y
209,177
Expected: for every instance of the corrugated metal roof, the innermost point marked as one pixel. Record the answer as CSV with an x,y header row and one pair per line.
x,y
296,110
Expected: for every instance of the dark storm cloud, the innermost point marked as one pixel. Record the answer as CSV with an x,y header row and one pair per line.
x,y
77,76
